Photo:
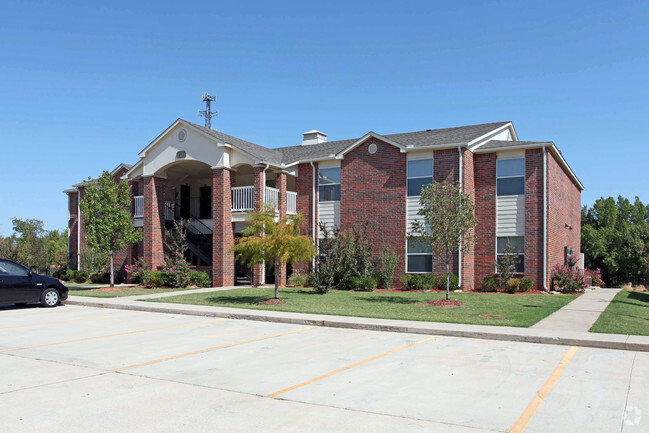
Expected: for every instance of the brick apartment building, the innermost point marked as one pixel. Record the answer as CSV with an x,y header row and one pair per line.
x,y
526,195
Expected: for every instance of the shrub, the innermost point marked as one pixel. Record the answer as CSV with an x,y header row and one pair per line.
x,y
160,279
320,281
297,280
418,281
140,272
595,276
69,275
100,278
80,277
200,279
351,282
61,272
368,284
385,268
439,282
490,283
525,284
568,280
511,286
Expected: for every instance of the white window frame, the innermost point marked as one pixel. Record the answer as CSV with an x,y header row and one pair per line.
x,y
510,177
339,168
408,177
432,262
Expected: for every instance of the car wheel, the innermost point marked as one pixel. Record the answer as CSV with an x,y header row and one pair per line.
x,y
50,298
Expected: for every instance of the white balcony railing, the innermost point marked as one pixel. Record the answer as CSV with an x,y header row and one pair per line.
x,y
272,197
291,202
243,198
138,206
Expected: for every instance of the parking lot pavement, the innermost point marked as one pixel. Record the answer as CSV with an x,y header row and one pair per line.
x,y
74,369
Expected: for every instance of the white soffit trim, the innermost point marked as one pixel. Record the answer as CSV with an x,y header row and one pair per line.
x,y
360,141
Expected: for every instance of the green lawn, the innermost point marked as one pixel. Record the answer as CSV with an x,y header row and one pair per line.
x,y
628,313
122,291
518,310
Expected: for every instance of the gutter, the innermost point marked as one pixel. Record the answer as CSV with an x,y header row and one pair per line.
x,y
263,200
78,230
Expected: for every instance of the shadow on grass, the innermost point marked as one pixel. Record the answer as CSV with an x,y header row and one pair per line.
x,y
639,296
241,300
389,300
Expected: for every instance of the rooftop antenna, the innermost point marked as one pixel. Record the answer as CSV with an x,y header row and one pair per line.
x,y
207,113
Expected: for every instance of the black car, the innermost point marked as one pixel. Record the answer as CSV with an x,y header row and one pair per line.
x,y
19,285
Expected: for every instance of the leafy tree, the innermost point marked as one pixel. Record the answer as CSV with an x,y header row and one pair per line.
x,y
31,248
448,222
106,211
615,239
57,248
276,241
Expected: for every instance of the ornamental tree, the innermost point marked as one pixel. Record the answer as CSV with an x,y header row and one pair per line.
x,y
447,224
271,240
107,219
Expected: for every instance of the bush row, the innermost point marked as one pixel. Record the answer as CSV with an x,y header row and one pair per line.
x,y
494,283
429,282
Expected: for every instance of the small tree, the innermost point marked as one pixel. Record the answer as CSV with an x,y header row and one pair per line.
x,y
31,248
176,249
448,222
107,219
274,241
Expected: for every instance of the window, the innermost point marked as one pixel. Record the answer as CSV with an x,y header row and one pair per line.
x,y
420,174
510,176
10,268
516,246
420,257
329,184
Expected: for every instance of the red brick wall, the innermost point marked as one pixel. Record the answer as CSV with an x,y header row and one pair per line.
x,y
564,206
280,183
154,201
534,216
373,188
223,230
485,205
446,165
304,189
468,186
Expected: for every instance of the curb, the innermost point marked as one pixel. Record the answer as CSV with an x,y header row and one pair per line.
x,y
524,335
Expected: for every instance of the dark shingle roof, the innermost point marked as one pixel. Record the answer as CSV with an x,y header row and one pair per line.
x,y
500,144
427,138
291,154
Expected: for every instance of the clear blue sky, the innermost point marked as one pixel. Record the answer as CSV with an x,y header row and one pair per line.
x,y
84,87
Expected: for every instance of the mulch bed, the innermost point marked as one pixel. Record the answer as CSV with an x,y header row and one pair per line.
x,y
274,302
492,316
444,303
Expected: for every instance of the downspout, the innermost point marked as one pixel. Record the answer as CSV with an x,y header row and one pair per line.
x,y
459,251
78,230
313,216
263,201
545,218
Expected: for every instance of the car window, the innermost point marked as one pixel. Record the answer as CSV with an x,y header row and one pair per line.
x,y
9,268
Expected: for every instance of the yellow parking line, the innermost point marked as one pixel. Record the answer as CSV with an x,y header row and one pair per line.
x,y
111,335
73,320
527,415
195,352
340,370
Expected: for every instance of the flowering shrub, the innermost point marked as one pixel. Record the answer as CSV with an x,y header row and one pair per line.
x,y
596,277
139,272
568,280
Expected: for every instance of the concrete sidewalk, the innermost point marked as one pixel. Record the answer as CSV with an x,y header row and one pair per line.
x,y
580,314
564,336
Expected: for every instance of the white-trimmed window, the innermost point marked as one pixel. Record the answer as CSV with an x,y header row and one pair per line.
x,y
510,176
329,184
516,246
419,257
420,174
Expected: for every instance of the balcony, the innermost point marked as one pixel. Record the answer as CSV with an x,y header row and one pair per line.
x,y
243,199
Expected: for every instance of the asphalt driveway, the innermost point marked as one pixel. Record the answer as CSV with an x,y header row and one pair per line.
x,y
80,369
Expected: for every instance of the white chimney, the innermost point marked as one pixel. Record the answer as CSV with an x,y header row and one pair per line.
x,y
313,137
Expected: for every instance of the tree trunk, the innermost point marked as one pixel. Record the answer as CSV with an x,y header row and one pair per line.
x,y
448,284
112,270
276,271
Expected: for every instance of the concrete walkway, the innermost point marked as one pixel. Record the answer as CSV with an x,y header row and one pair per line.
x,y
564,336
580,314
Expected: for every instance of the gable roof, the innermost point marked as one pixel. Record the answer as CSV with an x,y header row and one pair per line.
x,y
430,138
